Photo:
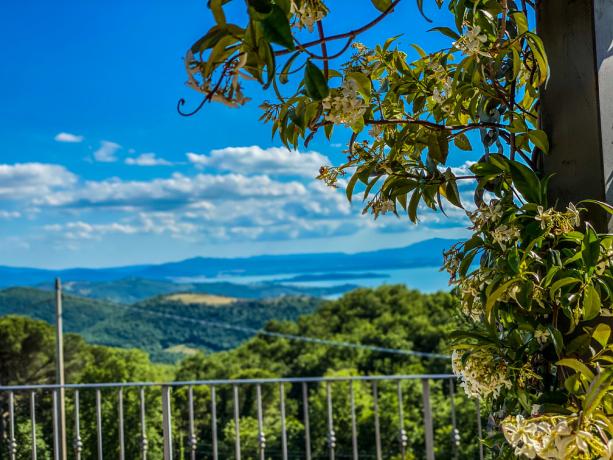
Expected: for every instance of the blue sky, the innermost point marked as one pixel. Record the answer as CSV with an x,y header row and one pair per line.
x,y
97,168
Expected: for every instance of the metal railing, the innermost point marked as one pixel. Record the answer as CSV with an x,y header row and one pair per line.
x,y
186,410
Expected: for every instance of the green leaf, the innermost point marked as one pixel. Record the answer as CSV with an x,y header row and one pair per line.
x,y
606,206
447,32
555,287
315,83
284,75
538,49
598,389
540,139
576,365
557,339
521,21
438,148
218,14
363,82
420,5
451,193
213,36
591,303
413,203
590,247
526,182
494,296
351,185
276,27
601,334
382,5
461,141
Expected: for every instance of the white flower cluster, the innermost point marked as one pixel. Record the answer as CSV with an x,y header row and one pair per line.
x,y
486,214
554,438
559,222
382,207
505,234
482,376
471,42
344,106
308,13
440,95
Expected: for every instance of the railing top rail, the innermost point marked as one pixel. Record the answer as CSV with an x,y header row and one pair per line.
x,y
263,381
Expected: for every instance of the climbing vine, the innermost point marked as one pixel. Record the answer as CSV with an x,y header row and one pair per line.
x,y
535,282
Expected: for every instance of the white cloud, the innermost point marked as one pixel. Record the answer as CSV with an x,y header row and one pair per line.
x,y
80,230
171,193
27,180
8,215
68,137
147,159
276,161
249,204
107,153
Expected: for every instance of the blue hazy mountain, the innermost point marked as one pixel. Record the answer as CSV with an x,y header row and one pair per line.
x,y
426,253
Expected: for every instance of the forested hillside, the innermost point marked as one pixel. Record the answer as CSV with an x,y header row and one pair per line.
x,y
391,316
145,325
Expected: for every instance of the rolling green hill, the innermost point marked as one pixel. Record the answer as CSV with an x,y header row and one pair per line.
x,y
146,325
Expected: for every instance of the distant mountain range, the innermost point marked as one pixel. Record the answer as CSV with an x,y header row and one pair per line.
x,y
423,254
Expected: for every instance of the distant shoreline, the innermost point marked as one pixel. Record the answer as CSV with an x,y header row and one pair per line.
x,y
330,277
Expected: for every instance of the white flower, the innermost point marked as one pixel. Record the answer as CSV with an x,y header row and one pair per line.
x,y
441,95
505,234
308,13
541,336
552,438
574,213
482,376
470,43
345,106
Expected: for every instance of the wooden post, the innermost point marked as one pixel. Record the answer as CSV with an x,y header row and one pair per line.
x,y
577,104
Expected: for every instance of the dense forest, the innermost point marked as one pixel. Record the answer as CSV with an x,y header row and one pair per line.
x,y
390,316
145,325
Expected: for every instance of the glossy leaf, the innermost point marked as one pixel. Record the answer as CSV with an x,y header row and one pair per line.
x,y
315,83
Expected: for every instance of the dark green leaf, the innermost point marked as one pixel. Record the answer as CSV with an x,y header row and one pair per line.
x,y
461,141
446,31
590,247
382,5
276,27
315,83
526,182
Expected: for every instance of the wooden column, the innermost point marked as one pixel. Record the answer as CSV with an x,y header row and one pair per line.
x,y
577,106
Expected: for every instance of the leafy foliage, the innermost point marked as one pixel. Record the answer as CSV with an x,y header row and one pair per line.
x,y
537,345
27,349
389,316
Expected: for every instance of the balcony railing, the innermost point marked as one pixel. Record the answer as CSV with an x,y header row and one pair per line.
x,y
286,418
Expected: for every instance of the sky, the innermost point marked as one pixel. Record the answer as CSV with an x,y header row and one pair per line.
x,y
98,169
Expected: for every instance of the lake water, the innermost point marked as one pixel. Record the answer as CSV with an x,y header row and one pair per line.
x,y
426,279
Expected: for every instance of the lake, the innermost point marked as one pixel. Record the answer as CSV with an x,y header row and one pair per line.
x,y
426,279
